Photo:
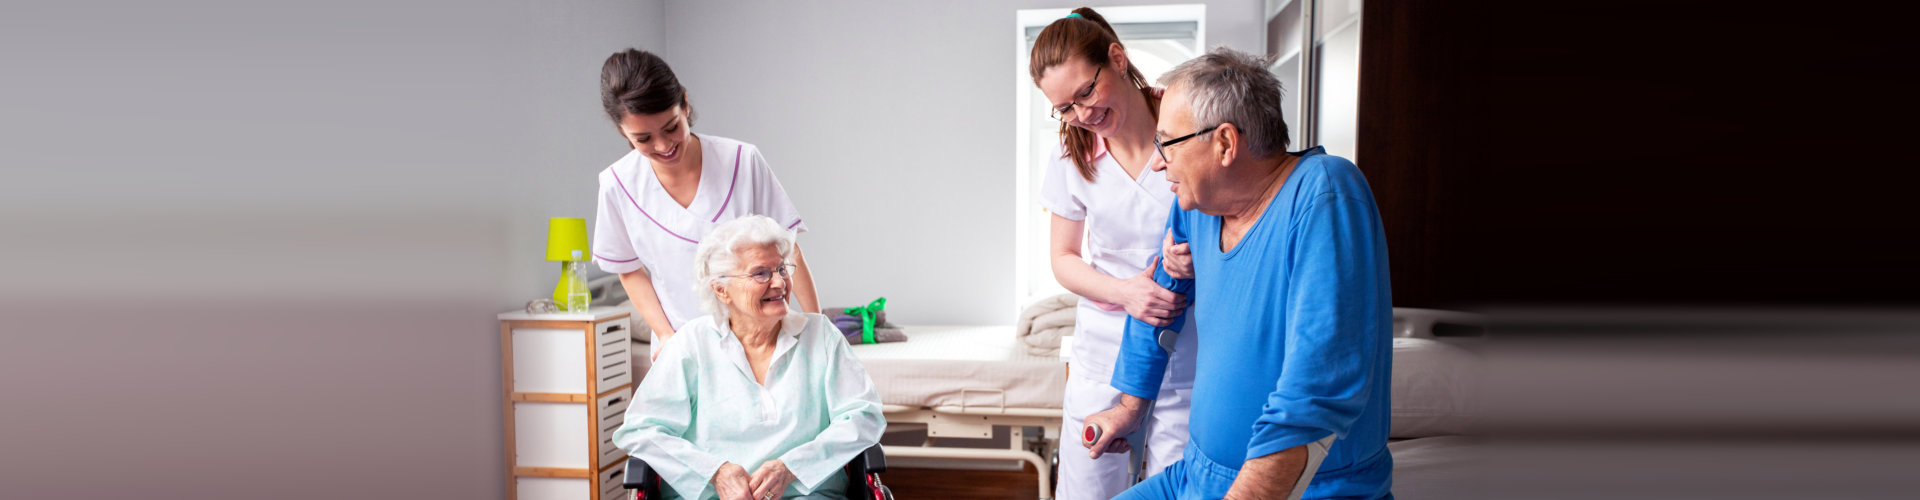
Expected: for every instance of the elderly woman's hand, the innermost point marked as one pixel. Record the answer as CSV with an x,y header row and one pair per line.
x,y
771,480
732,483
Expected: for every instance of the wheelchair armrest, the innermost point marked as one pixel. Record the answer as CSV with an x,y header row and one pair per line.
x,y
869,461
638,475
875,458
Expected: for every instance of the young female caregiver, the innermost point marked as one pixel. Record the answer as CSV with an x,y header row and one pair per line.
x,y
1099,186
659,200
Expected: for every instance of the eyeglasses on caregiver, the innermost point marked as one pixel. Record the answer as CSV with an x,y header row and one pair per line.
x,y
1065,111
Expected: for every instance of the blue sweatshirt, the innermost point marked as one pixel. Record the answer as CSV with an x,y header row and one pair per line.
x,y
1298,331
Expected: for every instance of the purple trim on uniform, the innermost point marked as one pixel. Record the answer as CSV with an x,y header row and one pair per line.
x,y
636,206
730,184
617,261
796,223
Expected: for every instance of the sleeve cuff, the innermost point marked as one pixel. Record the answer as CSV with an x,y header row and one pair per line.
x,y
1067,212
699,478
1134,381
1269,439
1142,391
811,471
617,266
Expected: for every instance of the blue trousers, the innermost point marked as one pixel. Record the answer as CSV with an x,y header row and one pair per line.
x,y
1193,477
1196,477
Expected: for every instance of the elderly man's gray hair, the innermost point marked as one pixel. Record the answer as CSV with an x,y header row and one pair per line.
x,y
1230,86
716,255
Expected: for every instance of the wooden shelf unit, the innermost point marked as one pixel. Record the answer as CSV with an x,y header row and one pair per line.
x,y
567,378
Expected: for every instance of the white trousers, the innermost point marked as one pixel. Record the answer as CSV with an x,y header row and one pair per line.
x,y
1082,478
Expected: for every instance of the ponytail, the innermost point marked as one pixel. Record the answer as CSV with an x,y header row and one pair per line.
x,y
1084,34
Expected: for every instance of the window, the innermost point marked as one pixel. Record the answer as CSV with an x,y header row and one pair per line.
x,y
1337,40
1324,110
1157,37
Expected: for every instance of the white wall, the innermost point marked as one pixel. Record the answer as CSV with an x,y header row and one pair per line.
x,y
891,125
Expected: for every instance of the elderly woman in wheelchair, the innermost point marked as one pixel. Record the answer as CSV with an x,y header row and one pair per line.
x,y
753,401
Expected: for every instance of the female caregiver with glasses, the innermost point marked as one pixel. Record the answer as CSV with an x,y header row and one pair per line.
x,y
657,202
755,401
1099,186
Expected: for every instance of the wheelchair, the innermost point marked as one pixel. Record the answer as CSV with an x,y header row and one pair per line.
x,y
863,477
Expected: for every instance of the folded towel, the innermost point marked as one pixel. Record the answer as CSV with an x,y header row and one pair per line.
x,y
853,326
839,314
1043,323
843,322
881,334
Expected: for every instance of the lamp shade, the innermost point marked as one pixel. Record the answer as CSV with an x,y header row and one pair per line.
x,y
564,236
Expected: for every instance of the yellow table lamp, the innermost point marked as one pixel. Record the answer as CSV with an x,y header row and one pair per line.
x,y
567,243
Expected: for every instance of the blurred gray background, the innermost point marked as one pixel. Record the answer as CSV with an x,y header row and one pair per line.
x,y
257,247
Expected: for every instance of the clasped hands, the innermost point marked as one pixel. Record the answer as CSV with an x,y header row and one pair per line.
x,y
732,482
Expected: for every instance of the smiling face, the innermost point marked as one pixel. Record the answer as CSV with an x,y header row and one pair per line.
x,y
1191,164
1094,92
745,297
660,136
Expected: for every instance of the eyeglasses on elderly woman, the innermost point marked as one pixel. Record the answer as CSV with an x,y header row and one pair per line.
x,y
764,275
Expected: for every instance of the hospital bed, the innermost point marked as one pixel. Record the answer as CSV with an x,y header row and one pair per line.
x,y
963,382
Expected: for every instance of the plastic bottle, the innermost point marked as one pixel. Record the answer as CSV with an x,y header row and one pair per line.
x,y
578,298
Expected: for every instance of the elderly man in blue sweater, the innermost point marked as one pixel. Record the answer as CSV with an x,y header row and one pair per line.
x,y
1288,285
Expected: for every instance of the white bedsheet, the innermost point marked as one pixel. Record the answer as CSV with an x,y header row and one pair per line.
x,y
978,366
1438,468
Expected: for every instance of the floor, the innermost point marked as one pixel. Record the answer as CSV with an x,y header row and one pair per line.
x,y
909,483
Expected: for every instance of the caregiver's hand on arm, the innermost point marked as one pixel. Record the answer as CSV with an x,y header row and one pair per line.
x,y
731,482
1271,476
1146,301
1139,295
647,304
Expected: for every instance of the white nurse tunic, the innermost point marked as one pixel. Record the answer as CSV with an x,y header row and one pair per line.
x,y
639,226
1125,220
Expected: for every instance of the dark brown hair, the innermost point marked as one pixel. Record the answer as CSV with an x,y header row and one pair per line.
x,y
1086,36
636,82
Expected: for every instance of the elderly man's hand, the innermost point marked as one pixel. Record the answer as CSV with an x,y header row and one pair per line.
x,y
1179,258
1120,420
1146,301
732,483
770,480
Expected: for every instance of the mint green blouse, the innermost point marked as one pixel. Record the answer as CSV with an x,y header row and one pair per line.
x,y
699,407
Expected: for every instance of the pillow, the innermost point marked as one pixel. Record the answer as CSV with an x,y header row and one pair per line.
x,y
1432,388
607,290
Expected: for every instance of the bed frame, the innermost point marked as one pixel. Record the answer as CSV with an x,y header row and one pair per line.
x,y
978,422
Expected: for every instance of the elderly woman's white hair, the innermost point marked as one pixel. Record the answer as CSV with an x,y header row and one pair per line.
x,y
716,255
1230,86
